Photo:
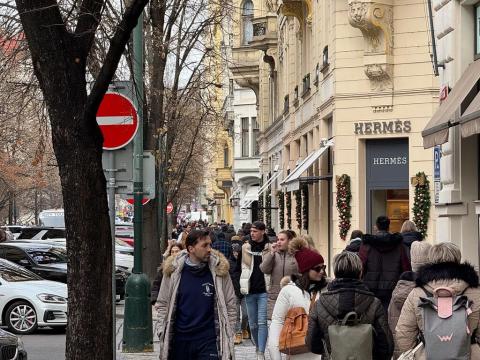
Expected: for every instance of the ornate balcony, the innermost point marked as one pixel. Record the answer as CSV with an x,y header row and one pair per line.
x,y
264,33
301,9
245,67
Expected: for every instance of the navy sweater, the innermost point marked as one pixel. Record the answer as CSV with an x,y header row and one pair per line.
x,y
195,313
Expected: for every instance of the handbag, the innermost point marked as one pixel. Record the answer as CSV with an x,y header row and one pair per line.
x,y
410,354
294,331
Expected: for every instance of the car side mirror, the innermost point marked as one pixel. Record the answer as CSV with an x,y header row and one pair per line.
x,y
24,262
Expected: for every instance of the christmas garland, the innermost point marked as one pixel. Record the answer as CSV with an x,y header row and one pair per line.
x,y
421,203
344,196
298,207
305,206
281,209
268,207
288,199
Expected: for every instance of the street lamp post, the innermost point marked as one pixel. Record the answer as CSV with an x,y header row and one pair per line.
x,y
137,326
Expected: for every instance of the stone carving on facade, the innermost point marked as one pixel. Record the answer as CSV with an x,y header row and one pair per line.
x,y
271,5
375,21
301,9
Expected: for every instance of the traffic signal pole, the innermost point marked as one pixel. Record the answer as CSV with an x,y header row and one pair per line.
x,y
137,326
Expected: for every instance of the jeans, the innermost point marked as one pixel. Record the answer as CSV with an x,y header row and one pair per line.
x,y
257,318
242,317
205,349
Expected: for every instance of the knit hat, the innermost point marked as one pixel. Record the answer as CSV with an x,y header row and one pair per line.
x,y
419,254
306,258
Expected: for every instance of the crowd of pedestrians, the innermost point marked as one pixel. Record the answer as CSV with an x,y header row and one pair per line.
x,y
390,296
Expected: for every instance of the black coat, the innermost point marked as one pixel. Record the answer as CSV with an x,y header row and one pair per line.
x,y
342,297
156,286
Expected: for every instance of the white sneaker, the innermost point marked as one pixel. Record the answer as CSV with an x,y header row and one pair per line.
x,y
260,356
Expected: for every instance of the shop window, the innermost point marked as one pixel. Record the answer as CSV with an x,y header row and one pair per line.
x,y
245,138
393,204
256,132
247,21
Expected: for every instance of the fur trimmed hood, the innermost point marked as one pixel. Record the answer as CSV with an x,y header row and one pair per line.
x,y
447,271
383,240
217,262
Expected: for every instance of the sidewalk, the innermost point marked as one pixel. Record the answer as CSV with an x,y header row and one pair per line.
x,y
245,351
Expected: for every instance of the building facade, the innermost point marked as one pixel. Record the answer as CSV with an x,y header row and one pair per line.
x,y
344,89
453,129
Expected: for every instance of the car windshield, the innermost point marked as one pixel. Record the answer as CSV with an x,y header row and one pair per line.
x,y
48,256
12,273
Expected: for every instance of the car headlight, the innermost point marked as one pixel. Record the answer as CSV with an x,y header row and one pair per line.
x,y
52,299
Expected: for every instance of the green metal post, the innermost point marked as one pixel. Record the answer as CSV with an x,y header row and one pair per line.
x,y
137,325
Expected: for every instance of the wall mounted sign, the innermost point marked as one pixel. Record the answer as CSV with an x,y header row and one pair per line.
x,y
383,127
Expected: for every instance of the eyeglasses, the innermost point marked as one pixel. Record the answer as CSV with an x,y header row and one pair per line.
x,y
319,268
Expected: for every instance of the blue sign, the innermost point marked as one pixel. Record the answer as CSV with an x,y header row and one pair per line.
x,y
437,155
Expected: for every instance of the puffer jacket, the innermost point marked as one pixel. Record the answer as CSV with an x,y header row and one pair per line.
x,y
342,297
384,259
409,238
246,263
225,306
460,277
277,265
404,286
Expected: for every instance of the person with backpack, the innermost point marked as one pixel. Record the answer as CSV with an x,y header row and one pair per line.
x,y
419,258
443,309
298,293
348,321
384,258
278,263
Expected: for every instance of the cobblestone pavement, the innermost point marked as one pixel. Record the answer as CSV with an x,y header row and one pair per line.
x,y
246,351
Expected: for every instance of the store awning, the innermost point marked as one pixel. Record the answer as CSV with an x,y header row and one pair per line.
x,y
470,120
448,114
292,181
250,197
276,173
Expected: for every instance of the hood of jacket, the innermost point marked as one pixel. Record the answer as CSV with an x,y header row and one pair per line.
x,y
410,237
217,261
456,276
401,292
345,295
383,241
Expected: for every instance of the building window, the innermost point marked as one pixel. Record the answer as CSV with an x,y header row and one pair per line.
x,y
256,132
230,87
225,157
247,20
245,137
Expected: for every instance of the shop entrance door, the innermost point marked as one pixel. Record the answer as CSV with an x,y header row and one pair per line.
x,y
387,181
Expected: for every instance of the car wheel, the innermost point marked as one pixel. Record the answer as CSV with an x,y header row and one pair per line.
x,y
21,318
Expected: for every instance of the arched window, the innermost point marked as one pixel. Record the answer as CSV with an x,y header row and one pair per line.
x,y
247,24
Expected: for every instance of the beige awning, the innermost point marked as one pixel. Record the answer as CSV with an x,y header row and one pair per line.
x,y
448,113
470,120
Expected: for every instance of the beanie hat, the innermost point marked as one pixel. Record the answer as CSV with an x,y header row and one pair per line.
x,y
306,258
419,254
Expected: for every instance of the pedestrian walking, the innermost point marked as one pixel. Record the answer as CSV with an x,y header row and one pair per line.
x,y
196,305
410,234
444,272
172,250
299,290
278,262
419,257
384,259
241,325
346,294
254,284
355,241
183,235
221,244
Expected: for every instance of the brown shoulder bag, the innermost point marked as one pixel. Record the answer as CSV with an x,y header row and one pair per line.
x,y
294,332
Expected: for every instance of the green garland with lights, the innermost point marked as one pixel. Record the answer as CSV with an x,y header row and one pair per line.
x,y
298,207
344,196
305,206
421,203
268,207
281,209
288,200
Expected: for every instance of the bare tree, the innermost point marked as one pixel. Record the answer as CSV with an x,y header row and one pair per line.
x,y
60,37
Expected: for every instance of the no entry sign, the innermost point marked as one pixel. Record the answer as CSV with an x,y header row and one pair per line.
x,y
118,120
169,208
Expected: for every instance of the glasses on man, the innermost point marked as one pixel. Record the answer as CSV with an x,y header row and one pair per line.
x,y
319,268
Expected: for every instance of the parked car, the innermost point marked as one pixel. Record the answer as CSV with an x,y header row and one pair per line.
x,y
41,233
50,262
27,301
11,347
123,247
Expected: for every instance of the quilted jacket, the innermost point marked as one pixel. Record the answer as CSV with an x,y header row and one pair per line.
x,y
342,297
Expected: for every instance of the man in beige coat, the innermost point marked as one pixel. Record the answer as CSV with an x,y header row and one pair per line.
x,y
196,305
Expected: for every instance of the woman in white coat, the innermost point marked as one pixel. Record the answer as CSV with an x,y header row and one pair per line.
x,y
297,291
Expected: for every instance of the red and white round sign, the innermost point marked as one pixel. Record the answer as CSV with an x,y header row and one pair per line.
x,y
169,208
118,120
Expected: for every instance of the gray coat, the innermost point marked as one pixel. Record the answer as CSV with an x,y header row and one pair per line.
x,y
226,308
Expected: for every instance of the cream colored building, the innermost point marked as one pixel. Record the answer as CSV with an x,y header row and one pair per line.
x,y
343,87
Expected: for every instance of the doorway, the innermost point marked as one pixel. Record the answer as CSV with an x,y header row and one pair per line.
x,y
392,203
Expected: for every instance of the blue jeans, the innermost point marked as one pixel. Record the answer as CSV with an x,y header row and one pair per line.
x,y
257,319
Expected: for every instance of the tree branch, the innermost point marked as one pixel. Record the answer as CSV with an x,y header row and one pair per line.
x,y
89,18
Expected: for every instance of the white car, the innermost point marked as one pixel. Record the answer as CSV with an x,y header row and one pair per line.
x,y
27,301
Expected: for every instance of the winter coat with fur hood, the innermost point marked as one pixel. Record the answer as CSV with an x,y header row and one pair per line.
x,y
384,259
278,265
225,304
460,277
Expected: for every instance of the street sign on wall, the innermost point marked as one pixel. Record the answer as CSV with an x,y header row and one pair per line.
x,y
118,120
